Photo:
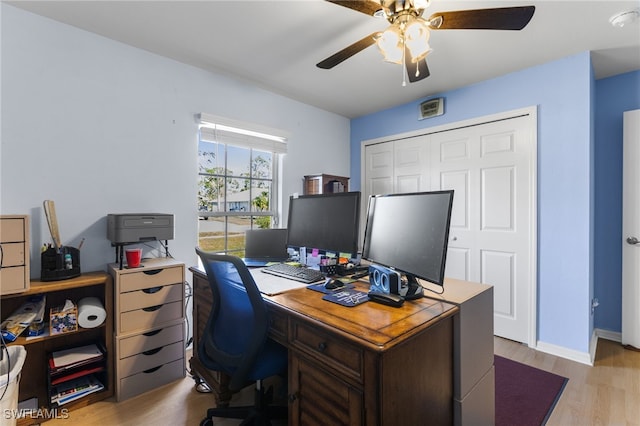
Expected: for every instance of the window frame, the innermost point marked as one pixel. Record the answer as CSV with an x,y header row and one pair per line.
x,y
253,138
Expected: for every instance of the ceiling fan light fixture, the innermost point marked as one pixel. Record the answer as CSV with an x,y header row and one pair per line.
x,y
390,45
417,39
421,4
406,41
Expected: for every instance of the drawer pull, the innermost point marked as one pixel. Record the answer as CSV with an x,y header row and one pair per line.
x,y
152,308
152,370
152,271
152,290
152,333
322,346
152,351
292,397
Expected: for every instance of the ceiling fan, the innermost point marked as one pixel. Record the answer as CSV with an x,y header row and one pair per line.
x,y
406,40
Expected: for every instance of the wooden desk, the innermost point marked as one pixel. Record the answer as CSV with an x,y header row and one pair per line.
x,y
370,364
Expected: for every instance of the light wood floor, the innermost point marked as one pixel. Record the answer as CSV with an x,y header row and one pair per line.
x,y
606,394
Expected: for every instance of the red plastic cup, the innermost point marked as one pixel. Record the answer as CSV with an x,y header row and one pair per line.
x,y
134,256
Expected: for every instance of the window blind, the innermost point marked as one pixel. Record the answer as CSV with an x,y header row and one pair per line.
x,y
232,132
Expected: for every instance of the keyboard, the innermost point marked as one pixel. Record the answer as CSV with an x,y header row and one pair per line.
x,y
298,273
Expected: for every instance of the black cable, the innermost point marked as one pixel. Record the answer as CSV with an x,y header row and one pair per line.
x,y
186,315
166,249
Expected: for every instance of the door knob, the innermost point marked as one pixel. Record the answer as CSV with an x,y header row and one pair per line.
x,y
633,241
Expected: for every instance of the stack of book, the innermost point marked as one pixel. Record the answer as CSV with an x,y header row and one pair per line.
x,y
72,373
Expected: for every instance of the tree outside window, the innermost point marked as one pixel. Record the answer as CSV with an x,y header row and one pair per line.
x,y
234,194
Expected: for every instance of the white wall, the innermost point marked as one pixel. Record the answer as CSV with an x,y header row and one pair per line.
x,y
100,127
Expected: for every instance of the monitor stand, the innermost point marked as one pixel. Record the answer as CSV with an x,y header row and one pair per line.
x,y
414,290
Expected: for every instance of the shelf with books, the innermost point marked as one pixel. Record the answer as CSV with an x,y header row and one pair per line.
x,y
35,373
76,372
74,389
29,340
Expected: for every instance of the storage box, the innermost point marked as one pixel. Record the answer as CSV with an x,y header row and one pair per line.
x,y
60,264
63,319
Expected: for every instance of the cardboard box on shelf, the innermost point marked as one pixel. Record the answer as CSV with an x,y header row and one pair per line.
x,y
63,319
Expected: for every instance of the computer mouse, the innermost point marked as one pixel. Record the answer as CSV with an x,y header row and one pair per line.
x,y
332,284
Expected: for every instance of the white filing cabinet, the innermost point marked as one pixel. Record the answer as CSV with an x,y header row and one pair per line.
x,y
14,254
149,325
473,370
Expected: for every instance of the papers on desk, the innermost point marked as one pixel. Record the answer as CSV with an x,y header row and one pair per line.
x,y
271,284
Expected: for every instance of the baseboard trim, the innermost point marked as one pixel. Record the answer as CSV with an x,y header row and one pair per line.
x,y
570,354
587,358
614,336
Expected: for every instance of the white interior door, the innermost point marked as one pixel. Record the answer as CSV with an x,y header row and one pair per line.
x,y
631,230
491,168
410,161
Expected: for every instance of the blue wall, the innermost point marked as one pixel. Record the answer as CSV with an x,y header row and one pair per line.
x,y
563,90
614,95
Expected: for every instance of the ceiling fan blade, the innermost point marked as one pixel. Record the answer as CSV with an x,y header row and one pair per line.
x,y
367,7
415,70
504,18
347,52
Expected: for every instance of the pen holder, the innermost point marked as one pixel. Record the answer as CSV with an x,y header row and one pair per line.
x,y
341,269
329,269
60,264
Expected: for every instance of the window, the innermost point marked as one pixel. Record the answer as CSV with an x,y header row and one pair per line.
x,y
237,185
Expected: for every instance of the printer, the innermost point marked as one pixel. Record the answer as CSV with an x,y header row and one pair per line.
x,y
130,228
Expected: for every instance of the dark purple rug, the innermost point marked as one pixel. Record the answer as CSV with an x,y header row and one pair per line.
x,y
525,395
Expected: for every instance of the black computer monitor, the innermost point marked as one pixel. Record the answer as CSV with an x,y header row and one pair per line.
x,y
409,233
327,222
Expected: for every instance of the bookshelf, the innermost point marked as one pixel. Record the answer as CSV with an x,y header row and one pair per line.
x,y
35,373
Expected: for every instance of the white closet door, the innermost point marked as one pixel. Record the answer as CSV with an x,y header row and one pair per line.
x,y
379,169
410,165
631,230
489,167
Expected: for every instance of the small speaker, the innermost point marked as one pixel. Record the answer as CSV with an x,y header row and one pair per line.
x,y
384,280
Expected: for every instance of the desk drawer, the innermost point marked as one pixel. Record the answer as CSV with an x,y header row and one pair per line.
x,y
143,319
278,329
151,379
13,254
152,296
13,280
149,359
12,229
148,278
150,340
332,351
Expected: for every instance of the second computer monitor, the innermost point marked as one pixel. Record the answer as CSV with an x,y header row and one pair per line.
x,y
410,233
327,222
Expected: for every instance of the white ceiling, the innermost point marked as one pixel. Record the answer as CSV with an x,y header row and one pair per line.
x,y
275,44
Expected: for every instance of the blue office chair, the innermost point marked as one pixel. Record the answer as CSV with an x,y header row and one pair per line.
x,y
235,339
